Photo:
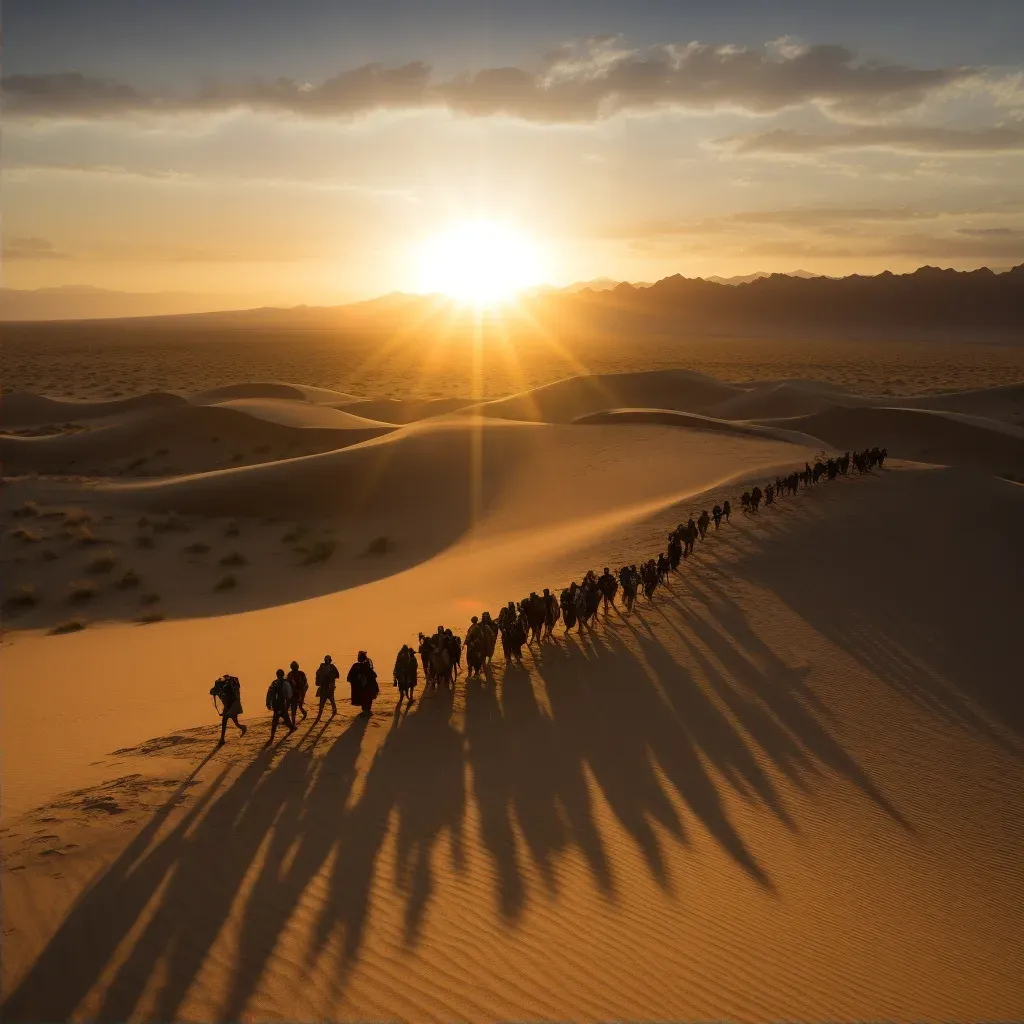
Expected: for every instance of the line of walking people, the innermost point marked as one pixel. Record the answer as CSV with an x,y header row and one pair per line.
x,y
518,624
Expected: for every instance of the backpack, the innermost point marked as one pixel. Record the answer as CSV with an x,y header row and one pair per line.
x,y
272,694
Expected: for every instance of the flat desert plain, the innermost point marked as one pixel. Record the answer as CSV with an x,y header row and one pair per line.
x,y
789,786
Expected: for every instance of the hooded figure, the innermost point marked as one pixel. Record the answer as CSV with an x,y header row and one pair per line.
x,y
363,680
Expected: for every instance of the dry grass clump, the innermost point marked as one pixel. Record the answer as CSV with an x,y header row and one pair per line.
x,y
27,510
226,583
102,564
81,592
27,536
86,537
149,599
379,546
199,548
68,627
319,551
172,523
145,541
22,598
128,580
236,558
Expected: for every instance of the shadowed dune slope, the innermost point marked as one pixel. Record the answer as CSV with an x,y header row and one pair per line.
x,y
271,389
396,410
999,403
193,439
694,421
774,400
302,414
22,409
568,400
920,435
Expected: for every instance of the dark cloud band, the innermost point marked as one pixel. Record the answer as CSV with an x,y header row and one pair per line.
x,y
575,84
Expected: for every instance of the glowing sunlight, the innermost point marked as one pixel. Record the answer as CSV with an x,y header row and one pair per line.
x,y
482,262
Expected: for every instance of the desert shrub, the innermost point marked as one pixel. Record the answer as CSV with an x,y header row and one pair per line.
x,y
150,598
379,546
27,510
23,597
320,551
86,537
172,523
199,548
145,541
226,583
27,536
129,579
68,627
136,463
234,559
102,564
80,593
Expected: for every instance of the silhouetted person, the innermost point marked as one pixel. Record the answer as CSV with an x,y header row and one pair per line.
x,y
726,509
279,698
228,690
716,514
363,680
327,676
299,684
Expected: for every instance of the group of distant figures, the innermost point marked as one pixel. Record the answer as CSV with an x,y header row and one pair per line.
x,y
519,624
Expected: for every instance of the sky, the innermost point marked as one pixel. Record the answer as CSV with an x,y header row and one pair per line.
x,y
309,151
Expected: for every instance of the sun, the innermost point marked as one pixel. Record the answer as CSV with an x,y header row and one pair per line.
x,y
480,262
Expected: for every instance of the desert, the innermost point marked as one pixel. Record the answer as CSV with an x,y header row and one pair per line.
x,y
805,700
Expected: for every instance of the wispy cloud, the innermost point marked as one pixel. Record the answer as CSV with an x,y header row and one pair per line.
x,y
901,139
577,83
32,249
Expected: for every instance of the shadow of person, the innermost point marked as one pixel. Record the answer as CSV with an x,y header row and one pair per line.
x,y
527,784
156,867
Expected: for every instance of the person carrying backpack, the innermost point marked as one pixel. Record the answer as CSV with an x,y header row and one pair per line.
x,y
279,698
228,690
363,680
326,677
299,684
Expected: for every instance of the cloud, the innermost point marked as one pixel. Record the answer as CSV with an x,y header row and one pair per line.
x,y
578,83
949,141
32,249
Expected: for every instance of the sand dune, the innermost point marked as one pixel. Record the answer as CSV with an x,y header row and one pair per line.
x,y
291,413
784,399
22,409
395,410
787,787
689,785
921,435
182,439
694,421
285,392
568,400
1000,403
